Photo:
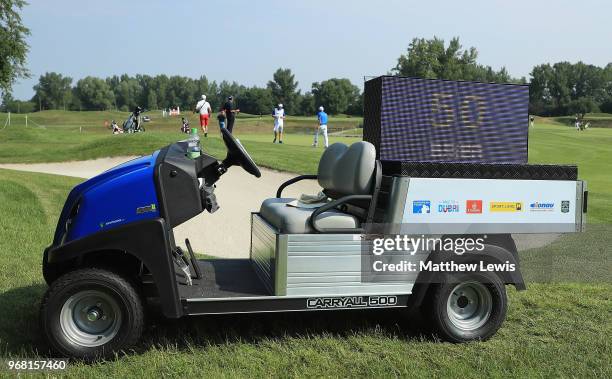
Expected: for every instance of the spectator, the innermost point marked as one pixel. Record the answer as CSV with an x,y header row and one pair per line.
x,y
221,118
185,126
322,127
203,108
279,117
116,128
230,113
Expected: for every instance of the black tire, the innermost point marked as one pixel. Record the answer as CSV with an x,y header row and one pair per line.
x,y
457,297
117,317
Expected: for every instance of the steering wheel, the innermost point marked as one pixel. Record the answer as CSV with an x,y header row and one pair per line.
x,y
237,154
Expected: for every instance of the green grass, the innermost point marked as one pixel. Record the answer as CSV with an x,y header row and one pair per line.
x,y
552,329
591,150
597,120
549,142
94,121
62,140
559,327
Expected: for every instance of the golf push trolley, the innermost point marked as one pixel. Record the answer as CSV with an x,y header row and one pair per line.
x,y
114,247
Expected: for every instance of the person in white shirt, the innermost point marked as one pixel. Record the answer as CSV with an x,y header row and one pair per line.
x,y
577,124
204,109
279,117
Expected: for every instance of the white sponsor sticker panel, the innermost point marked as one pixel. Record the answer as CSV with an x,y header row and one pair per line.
x,y
490,201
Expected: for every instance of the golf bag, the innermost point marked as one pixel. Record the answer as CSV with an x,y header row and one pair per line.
x,y
133,124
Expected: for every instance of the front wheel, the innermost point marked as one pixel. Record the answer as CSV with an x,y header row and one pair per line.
x,y
468,307
91,313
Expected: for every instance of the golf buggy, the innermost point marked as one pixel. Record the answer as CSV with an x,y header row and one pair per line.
x,y
114,246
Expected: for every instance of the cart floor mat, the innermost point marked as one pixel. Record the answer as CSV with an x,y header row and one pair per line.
x,y
223,278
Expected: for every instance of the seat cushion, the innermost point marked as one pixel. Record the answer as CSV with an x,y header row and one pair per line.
x,y
348,170
292,220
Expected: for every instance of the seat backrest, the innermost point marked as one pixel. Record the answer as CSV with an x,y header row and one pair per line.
x,y
345,170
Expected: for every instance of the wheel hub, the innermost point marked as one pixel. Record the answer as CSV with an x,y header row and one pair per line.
x,y
94,314
90,318
462,301
469,306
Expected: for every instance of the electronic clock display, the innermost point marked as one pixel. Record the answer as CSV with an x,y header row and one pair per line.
x,y
429,120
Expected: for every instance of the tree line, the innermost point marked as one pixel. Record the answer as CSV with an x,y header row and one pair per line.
x,y
564,88
555,89
55,91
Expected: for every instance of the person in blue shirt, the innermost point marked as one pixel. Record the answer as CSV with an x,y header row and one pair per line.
x,y
322,127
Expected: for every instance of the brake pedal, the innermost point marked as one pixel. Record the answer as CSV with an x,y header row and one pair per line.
x,y
183,263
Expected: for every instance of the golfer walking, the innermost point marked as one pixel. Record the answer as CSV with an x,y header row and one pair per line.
x,y
279,118
322,127
204,109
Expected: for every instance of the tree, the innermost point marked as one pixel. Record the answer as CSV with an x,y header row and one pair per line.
x,y
582,106
127,92
75,103
431,59
53,91
94,94
152,100
227,89
284,89
256,100
307,104
336,95
13,47
540,97
7,99
565,88
9,104
356,107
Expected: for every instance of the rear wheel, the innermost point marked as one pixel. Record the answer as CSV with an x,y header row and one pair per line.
x,y
468,307
92,313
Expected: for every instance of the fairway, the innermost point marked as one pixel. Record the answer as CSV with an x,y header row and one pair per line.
x,y
60,140
553,329
82,135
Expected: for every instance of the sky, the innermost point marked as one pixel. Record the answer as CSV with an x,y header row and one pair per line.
x,y
246,41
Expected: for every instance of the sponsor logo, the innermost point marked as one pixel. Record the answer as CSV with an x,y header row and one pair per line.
x,y
505,206
448,206
145,209
540,206
565,206
107,223
421,206
473,206
351,302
